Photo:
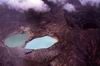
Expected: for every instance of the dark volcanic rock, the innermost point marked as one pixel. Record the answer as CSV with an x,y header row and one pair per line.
x,y
20,57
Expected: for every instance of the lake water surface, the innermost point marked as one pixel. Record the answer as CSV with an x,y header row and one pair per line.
x,y
42,42
18,40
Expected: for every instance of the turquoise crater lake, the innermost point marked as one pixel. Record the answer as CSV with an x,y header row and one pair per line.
x,y
42,42
18,40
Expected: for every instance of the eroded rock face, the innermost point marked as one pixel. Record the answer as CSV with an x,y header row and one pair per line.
x,y
21,57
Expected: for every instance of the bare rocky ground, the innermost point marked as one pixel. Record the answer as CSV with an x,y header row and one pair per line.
x,y
78,44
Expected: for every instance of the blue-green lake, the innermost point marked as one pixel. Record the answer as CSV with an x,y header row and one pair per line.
x,y
18,40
